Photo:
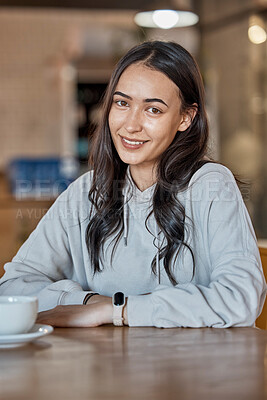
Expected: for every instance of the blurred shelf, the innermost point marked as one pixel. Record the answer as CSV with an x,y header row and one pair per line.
x,y
18,218
7,200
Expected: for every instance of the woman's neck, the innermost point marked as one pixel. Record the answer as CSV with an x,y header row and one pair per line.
x,y
143,177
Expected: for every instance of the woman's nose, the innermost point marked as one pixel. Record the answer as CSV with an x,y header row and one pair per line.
x,y
133,121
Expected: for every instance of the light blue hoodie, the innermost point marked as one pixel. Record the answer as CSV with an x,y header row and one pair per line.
x,y
227,289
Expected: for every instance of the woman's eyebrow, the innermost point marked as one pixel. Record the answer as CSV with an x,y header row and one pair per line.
x,y
123,95
155,99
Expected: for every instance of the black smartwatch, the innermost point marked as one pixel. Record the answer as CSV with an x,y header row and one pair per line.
x,y
118,301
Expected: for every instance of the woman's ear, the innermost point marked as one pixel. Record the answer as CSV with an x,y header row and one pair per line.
x,y
187,118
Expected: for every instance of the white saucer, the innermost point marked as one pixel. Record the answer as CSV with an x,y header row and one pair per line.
x,y
37,331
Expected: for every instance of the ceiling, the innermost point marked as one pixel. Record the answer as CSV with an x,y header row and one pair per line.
x,y
85,4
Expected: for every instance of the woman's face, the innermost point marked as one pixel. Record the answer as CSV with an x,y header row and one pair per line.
x,y
145,115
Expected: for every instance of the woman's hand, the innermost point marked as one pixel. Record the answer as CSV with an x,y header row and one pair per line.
x,y
97,312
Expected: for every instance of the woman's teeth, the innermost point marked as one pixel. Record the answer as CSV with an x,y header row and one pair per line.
x,y
132,142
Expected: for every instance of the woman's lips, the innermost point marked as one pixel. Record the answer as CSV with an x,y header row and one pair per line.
x,y
132,144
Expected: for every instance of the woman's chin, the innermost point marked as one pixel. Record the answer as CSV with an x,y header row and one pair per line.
x,y
129,160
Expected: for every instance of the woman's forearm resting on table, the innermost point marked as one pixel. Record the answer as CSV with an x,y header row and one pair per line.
x,y
234,297
98,311
224,303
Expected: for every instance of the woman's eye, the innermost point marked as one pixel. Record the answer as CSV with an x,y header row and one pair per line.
x,y
154,110
121,103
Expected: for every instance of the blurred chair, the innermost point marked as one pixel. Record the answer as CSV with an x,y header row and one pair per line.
x,y
261,322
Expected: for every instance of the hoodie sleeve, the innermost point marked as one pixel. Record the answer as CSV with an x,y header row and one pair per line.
x,y
43,265
236,291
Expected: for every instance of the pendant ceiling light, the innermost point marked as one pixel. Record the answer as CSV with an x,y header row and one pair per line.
x,y
165,15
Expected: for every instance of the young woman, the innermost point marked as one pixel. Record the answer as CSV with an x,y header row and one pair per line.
x,y
155,221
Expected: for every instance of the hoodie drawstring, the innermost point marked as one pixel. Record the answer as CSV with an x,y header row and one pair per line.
x,y
125,222
158,248
125,216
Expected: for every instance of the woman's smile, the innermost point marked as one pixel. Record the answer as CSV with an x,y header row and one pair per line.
x,y
132,144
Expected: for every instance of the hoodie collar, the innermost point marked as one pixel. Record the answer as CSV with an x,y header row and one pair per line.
x,y
131,191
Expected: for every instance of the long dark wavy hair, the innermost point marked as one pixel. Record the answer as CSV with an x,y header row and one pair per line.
x,y
176,165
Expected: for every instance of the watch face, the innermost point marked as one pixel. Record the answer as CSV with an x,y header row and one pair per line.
x,y
118,299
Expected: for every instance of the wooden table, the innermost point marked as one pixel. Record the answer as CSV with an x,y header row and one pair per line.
x,y
109,363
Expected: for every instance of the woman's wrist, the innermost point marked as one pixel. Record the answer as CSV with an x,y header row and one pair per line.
x,y
106,307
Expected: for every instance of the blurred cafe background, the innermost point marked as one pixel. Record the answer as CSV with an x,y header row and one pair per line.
x,y
56,57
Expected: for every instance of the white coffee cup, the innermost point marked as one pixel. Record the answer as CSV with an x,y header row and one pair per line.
x,y
17,314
